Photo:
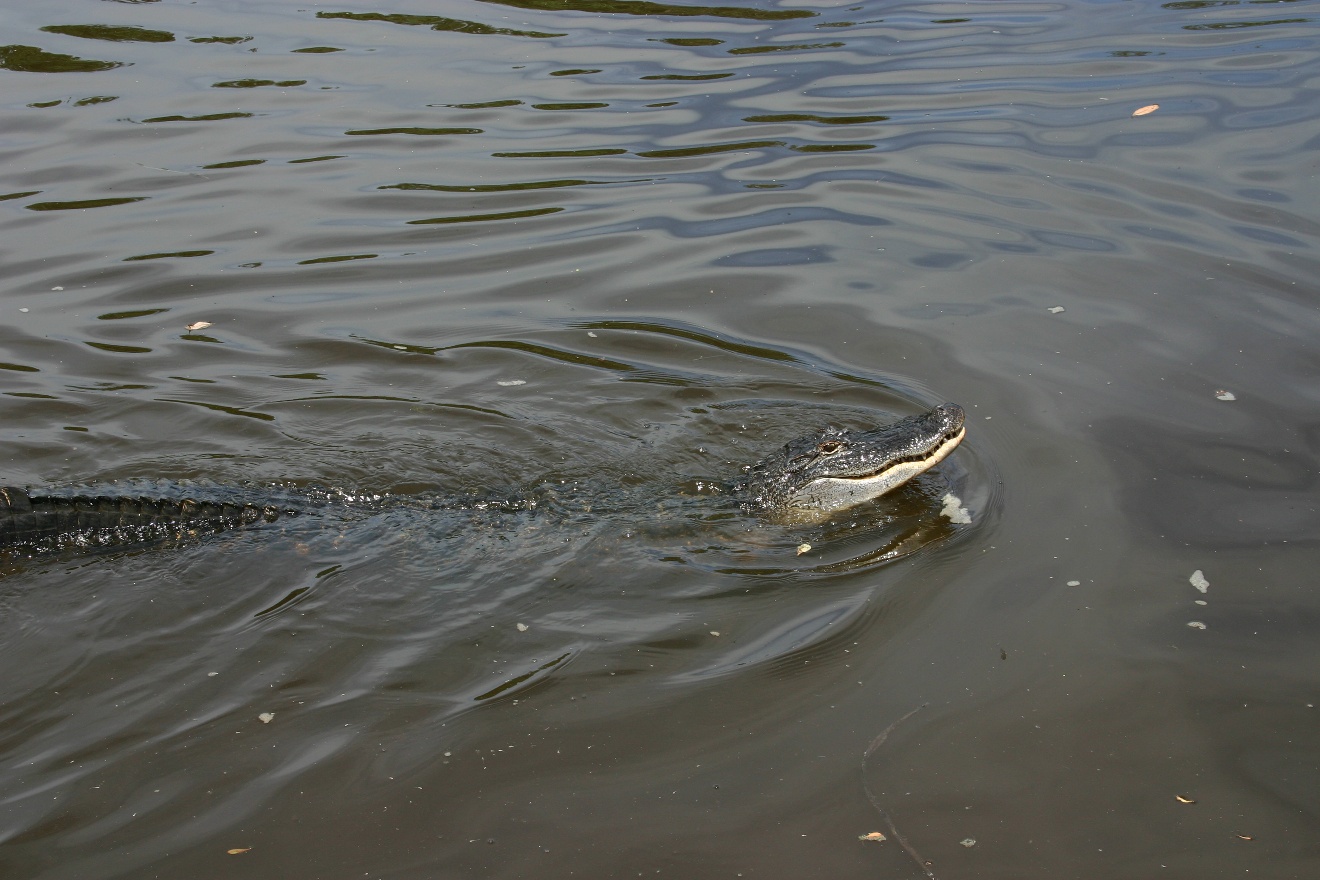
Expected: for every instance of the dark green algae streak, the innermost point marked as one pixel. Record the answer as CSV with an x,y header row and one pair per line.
x,y
33,59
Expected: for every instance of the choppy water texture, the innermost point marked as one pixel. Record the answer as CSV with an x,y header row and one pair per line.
x,y
599,255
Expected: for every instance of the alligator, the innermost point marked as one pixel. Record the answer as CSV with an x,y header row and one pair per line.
x,y
808,479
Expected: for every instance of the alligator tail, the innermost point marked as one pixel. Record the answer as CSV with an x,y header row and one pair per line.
x,y
54,522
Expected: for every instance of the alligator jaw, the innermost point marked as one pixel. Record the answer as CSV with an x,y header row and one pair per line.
x,y
827,494
813,476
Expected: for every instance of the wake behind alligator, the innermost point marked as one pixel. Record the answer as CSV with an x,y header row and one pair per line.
x,y
807,480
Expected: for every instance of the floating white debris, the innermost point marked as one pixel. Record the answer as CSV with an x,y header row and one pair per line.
x,y
714,632
968,842
803,548
954,510
1200,602
1056,309
212,674
197,325
266,717
522,627
592,335
1198,580
57,288
1074,583
509,383
1225,395
24,310
1196,624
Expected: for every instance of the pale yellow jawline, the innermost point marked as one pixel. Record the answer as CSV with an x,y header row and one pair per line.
x,y
856,490
941,452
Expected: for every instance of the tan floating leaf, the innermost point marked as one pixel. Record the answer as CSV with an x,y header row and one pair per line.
x,y
874,835
239,850
1142,111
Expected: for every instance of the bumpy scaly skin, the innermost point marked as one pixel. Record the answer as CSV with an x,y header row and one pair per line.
x,y
838,468
51,522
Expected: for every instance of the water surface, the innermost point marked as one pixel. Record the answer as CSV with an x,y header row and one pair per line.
x,y
598,256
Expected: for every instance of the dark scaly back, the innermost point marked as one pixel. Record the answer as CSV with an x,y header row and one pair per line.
x,y
56,522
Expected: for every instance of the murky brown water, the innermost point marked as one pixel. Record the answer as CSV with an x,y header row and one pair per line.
x,y
597,254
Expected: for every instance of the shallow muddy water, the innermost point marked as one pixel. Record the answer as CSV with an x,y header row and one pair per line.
x,y
574,265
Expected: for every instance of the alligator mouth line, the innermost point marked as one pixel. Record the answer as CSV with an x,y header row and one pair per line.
x,y
946,444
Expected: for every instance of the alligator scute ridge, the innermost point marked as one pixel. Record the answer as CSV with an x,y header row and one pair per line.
x,y
54,521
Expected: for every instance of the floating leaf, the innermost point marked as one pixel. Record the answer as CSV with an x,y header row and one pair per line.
x,y
1143,111
1183,800
197,325
803,548
874,835
239,850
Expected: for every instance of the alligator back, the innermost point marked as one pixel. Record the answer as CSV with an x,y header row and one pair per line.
x,y
55,522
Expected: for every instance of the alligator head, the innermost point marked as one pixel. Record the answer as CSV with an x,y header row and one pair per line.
x,y
838,468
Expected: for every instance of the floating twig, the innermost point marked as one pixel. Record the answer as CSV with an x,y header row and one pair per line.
x,y
922,863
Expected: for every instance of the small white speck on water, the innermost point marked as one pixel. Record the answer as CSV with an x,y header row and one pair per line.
x,y
522,627
1056,309
1196,624
509,383
1225,395
266,717
1074,583
1198,580
592,335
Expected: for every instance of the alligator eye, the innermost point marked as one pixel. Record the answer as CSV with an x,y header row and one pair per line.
x,y
829,447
